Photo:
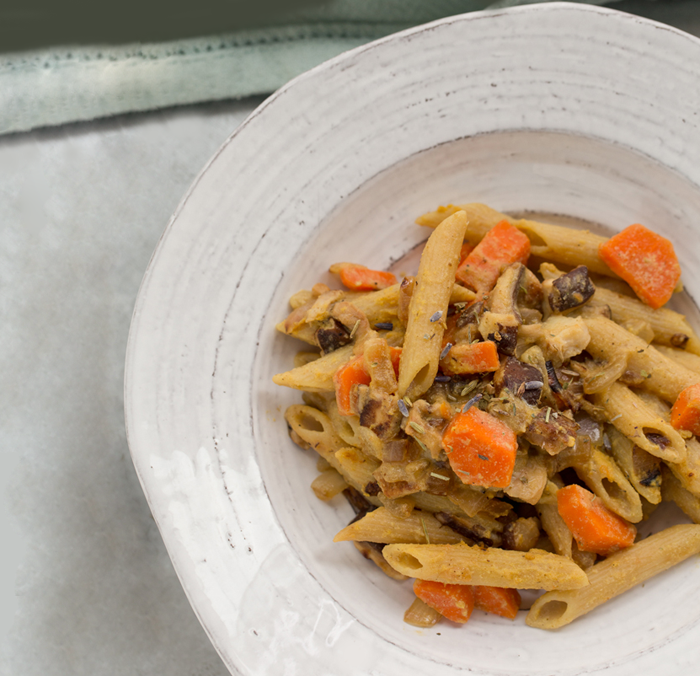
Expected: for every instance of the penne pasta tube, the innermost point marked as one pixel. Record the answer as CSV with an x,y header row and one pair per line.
x,y
602,475
380,525
688,470
616,575
383,305
660,375
466,564
553,242
669,327
641,468
369,551
428,309
557,531
357,468
673,491
686,358
316,376
315,428
640,423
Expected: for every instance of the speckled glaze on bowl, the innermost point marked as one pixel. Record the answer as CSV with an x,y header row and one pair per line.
x,y
560,108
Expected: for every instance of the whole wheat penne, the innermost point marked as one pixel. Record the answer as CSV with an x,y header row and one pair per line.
x,y
669,327
641,468
380,525
616,575
602,475
572,359
466,564
673,491
356,467
428,308
553,242
688,470
661,375
687,358
316,376
640,423
558,532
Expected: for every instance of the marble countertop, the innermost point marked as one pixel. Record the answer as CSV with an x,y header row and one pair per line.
x,y
87,587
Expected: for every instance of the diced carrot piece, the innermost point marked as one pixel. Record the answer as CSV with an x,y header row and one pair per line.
x,y
480,448
685,414
344,379
395,358
503,244
354,373
360,278
467,358
465,251
645,260
594,527
453,601
497,600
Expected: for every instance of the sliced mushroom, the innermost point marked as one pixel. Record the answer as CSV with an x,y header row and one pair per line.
x,y
331,335
500,323
473,530
569,291
521,379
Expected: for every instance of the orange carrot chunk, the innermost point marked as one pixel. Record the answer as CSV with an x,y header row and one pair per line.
x,y
354,373
471,358
465,251
645,260
359,278
480,448
497,600
685,414
594,527
503,244
453,601
344,379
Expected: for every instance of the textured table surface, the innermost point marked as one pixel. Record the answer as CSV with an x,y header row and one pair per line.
x,y
87,587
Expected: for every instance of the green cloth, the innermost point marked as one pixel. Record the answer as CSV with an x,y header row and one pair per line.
x,y
68,84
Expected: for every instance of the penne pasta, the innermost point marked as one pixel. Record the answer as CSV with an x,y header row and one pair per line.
x,y
465,564
510,434
670,328
616,575
640,423
658,374
552,242
382,526
428,310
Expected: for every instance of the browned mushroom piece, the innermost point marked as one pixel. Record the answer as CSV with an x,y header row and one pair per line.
x,y
551,431
331,335
472,529
501,321
521,379
379,412
570,290
566,387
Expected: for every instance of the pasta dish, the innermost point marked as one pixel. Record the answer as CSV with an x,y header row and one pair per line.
x,y
504,419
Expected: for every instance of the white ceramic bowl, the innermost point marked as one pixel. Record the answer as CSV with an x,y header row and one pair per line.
x,y
559,108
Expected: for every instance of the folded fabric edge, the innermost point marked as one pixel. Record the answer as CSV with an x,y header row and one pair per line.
x,y
48,88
